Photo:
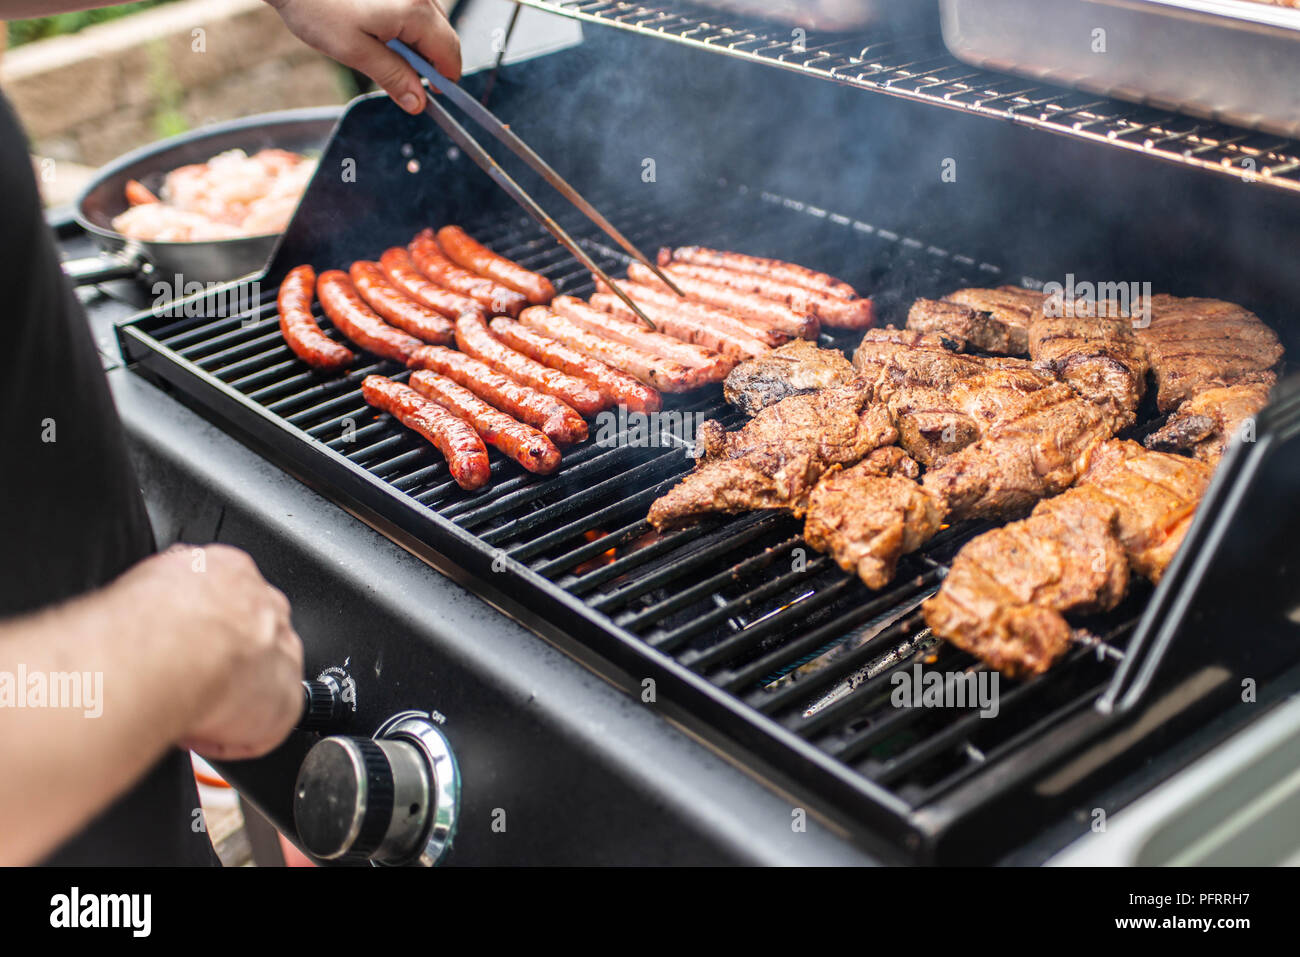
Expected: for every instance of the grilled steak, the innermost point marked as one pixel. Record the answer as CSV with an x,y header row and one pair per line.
x,y
795,368
1005,597
1008,310
1199,344
1155,496
1204,424
1099,357
1008,590
1036,452
775,459
871,514
967,327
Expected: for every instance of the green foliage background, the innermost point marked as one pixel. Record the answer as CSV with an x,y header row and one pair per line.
x,y
24,31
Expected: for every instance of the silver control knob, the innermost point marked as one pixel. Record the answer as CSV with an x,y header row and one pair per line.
x,y
390,800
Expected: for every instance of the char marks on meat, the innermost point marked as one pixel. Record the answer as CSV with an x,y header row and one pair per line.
x,y
1001,323
1006,595
1205,423
1155,497
796,368
1037,452
1098,356
1199,344
775,459
966,327
871,514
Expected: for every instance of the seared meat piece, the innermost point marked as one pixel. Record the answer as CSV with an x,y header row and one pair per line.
x,y
1155,496
942,401
1199,344
795,368
879,346
1204,424
871,514
1007,591
966,326
1099,357
1009,308
1036,452
777,457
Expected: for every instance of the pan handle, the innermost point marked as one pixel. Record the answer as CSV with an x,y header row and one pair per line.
x,y
126,263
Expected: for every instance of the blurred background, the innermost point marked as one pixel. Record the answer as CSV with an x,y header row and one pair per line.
x,y
90,86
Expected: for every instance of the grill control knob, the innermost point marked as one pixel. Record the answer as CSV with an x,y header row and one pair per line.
x,y
390,800
323,706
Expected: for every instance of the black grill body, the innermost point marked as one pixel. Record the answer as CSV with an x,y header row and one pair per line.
x,y
735,626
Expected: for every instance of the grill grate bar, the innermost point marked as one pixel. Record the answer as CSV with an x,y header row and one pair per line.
x,y
718,542
694,593
911,67
810,646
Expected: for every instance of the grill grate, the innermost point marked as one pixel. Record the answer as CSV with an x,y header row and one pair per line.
x,y
920,68
742,604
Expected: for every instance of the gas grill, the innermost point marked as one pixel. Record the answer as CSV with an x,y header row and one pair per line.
x,y
734,630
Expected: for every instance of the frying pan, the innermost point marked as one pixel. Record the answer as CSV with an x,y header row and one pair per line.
x,y
219,260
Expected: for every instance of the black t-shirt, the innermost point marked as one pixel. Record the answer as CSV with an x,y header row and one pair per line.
x,y
71,514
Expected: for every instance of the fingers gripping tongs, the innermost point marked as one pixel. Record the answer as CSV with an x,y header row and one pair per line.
x,y
484,118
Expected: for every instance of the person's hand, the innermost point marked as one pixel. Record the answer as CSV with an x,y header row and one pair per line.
x,y
355,32
249,692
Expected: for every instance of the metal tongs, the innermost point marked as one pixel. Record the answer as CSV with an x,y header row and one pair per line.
x,y
484,118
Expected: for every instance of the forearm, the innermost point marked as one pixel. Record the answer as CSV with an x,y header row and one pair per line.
x,y
63,761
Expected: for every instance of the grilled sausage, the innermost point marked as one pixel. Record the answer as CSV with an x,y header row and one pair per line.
x,y
710,316
617,387
401,272
398,308
433,262
466,454
298,325
793,321
561,424
830,310
657,372
474,339
523,443
781,271
349,312
681,325
708,365
464,250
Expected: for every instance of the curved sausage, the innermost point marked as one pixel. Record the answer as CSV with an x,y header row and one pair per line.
x,y
654,371
705,364
398,308
464,250
349,312
298,325
561,424
679,324
473,339
791,320
618,388
831,310
523,443
466,454
433,262
697,312
777,269
401,272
